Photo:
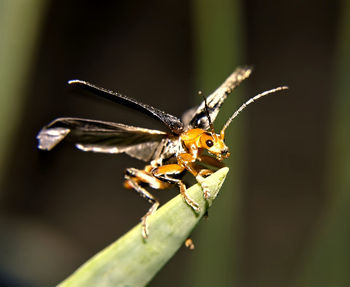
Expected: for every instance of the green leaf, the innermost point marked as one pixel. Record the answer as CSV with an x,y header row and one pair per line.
x,y
134,261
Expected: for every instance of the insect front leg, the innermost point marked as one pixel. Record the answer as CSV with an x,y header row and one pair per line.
x,y
207,159
187,160
203,173
201,180
133,180
165,172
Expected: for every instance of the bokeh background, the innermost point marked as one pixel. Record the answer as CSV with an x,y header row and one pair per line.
x,y
282,218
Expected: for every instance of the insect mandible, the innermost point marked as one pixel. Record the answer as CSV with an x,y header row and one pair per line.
x,y
169,154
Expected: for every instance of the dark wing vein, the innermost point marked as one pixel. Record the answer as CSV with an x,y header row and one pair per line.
x,y
172,122
99,136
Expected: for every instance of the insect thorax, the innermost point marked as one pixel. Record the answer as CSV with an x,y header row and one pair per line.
x,y
167,151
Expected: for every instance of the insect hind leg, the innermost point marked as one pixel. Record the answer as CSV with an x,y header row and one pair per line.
x,y
133,180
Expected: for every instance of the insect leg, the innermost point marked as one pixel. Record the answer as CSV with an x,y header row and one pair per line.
x,y
164,173
187,161
202,170
133,180
210,160
146,176
202,173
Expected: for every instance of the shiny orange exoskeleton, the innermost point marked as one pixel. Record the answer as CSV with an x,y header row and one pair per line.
x,y
191,144
194,142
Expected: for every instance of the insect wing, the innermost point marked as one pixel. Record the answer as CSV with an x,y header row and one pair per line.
x,y
197,117
173,123
100,136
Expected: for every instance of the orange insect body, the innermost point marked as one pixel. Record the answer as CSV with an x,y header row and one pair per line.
x,y
199,139
169,155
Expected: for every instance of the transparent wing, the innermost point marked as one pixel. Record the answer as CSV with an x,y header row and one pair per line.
x,y
197,117
172,122
99,136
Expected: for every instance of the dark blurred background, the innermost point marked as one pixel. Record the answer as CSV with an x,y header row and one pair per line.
x,y
282,217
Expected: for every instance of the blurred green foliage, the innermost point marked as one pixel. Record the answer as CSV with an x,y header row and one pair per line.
x,y
20,25
327,259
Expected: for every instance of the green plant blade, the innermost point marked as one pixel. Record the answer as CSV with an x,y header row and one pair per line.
x,y
132,261
218,41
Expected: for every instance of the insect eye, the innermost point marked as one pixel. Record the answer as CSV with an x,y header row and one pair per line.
x,y
209,143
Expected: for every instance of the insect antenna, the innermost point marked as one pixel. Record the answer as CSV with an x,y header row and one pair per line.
x,y
207,112
251,100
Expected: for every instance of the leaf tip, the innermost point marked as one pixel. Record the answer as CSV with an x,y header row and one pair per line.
x,y
214,183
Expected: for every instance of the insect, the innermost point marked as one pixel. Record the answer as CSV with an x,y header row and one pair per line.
x,y
169,154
